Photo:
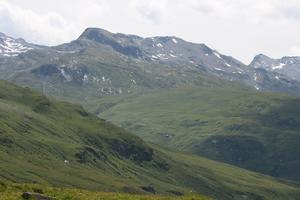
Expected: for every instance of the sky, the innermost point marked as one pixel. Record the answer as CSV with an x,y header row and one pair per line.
x,y
239,28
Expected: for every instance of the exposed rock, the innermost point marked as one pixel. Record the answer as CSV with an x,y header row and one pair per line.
x,y
149,189
36,196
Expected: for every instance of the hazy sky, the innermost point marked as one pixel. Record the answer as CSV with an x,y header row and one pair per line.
x,y
240,28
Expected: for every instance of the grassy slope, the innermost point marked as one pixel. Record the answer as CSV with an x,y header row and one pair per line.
x,y
258,131
37,135
15,191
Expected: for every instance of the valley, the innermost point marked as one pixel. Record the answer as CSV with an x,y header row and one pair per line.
x,y
120,113
50,142
254,130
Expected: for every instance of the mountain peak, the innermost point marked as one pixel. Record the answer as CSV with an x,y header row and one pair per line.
x,y
2,34
291,57
261,56
261,60
286,66
94,33
10,46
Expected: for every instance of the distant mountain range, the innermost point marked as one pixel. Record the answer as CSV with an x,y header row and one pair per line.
x,y
101,63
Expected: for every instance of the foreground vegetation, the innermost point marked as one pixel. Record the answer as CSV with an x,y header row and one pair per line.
x,y
15,191
54,143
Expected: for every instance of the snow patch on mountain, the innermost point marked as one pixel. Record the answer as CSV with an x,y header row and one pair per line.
x,y
12,47
228,65
280,66
65,75
160,45
255,77
162,56
218,69
218,55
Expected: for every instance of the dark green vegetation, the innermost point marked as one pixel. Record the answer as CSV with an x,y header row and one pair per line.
x,y
16,191
254,130
49,142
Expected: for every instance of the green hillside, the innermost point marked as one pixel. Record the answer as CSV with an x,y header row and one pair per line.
x,y
49,142
16,191
254,130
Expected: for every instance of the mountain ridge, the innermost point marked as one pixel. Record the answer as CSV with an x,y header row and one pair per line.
x,y
11,47
288,66
102,63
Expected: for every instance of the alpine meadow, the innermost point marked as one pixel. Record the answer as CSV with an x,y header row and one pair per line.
x,y
92,114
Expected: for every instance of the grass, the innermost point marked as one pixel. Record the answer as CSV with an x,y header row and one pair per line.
x,y
47,142
254,130
15,191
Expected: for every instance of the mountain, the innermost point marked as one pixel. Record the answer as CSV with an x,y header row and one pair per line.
x,y
85,69
50,142
254,130
100,63
10,47
102,71
286,66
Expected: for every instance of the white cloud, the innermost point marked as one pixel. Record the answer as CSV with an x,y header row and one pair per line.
x,y
49,28
151,10
295,50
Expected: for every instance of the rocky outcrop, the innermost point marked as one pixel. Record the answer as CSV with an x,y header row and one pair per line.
x,y
36,196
